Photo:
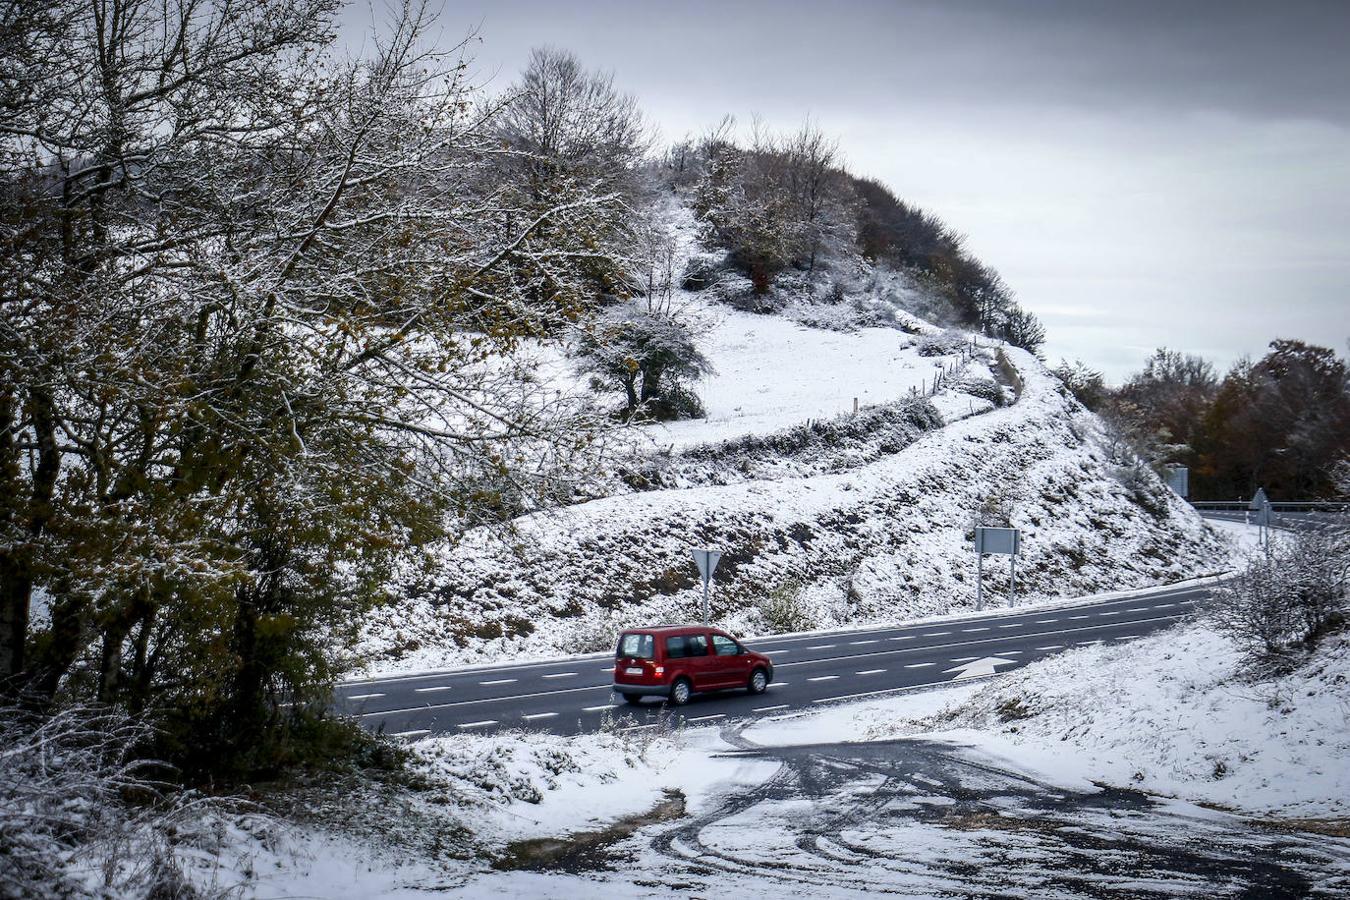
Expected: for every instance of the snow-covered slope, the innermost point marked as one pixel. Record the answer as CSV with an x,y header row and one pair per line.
x,y
883,540
1173,713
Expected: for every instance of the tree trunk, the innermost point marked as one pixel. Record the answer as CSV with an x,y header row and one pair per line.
x,y
651,383
16,588
630,389
248,678
57,653
16,573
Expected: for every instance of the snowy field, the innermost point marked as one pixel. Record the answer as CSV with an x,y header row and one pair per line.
x,y
772,373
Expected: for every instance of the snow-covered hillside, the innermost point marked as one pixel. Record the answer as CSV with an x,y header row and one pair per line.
x,y
884,539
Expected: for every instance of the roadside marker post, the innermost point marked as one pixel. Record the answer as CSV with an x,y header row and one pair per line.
x,y
1007,541
1260,504
707,561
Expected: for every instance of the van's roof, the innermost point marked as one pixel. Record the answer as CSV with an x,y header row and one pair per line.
x,y
669,629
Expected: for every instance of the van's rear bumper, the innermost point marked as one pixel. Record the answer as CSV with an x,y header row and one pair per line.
x,y
641,690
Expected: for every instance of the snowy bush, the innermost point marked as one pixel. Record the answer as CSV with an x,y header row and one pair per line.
x,y
1284,601
81,815
784,612
983,388
702,271
944,343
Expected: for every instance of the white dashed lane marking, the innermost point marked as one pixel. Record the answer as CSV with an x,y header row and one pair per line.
x,y
363,696
824,678
597,708
860,643
871,671
562,675
482,724
706,718
531,718
969,630
936,633
760,709
408,734
822,646
431,690
920,665
498,681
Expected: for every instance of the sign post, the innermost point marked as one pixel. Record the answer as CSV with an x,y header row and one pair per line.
x,y
707,561
1260,504
1007,541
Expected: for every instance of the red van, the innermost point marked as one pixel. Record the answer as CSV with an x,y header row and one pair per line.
x,y
677,661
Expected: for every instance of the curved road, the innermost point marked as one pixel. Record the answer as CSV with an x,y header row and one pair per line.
x,y
573,695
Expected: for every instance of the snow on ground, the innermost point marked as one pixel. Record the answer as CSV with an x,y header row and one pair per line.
x,y
487,792
885,541
1170,713
772,373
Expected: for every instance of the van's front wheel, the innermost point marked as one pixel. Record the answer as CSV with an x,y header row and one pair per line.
x,y
759,682
679,692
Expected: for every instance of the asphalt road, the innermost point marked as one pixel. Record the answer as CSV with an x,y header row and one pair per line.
x,y
573,695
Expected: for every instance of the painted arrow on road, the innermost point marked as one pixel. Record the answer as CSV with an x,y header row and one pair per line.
x,y
978,667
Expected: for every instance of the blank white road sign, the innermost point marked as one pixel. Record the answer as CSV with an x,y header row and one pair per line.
x,y
998,540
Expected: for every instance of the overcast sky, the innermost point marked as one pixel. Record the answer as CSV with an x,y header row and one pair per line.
x,y
1142,174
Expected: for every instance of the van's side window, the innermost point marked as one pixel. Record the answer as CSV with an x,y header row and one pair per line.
x,y
696,645
725,646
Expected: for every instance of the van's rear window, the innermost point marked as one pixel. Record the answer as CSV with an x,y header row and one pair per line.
x,y
638,646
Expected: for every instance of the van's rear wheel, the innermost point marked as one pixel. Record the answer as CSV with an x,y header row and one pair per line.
x,y
759,682
679,692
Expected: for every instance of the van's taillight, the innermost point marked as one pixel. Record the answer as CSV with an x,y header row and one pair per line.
x,y
659,670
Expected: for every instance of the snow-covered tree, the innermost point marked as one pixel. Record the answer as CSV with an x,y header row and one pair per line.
x,y
257,311
646,350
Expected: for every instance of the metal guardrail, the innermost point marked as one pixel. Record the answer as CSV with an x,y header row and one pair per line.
x,y
1334,506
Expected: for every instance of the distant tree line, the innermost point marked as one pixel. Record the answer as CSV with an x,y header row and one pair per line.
x,y
1281,422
